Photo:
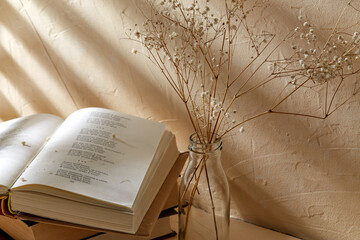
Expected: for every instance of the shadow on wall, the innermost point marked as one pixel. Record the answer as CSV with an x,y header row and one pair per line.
x,y
21,80
13,72
120,75
48,57
7,108
114,61
293,182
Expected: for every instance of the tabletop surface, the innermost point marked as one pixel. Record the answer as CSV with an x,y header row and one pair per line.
x,y
238,230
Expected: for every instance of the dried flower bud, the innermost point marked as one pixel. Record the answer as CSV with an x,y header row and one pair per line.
x,y
137,34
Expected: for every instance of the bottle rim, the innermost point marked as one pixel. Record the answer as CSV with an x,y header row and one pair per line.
x,y
196,146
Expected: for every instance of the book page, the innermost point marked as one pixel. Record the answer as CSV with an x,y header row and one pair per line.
x,y
20,141
98,153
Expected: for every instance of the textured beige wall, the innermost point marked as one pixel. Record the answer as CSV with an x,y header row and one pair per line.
x,y
297,175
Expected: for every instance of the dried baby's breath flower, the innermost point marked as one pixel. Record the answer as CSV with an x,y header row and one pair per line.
x,y
195,49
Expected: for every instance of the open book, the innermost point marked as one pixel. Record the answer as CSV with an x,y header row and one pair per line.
x,y
98,168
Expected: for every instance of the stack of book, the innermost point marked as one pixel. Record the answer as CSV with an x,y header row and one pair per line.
x,y
98,170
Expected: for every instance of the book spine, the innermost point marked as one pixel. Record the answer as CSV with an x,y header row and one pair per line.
x,y
5,208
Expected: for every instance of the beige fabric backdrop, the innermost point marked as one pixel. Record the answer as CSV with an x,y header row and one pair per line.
x,y
297,175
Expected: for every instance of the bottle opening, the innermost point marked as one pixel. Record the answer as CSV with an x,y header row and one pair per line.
x,y
196,145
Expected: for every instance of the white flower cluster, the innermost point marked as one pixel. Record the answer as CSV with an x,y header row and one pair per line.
x,y
323,63
215,107
176,33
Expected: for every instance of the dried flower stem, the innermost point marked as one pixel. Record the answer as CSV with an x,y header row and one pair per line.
x,y
193,191
212,202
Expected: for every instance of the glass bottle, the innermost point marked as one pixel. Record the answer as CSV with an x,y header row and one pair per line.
x,y
204,196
